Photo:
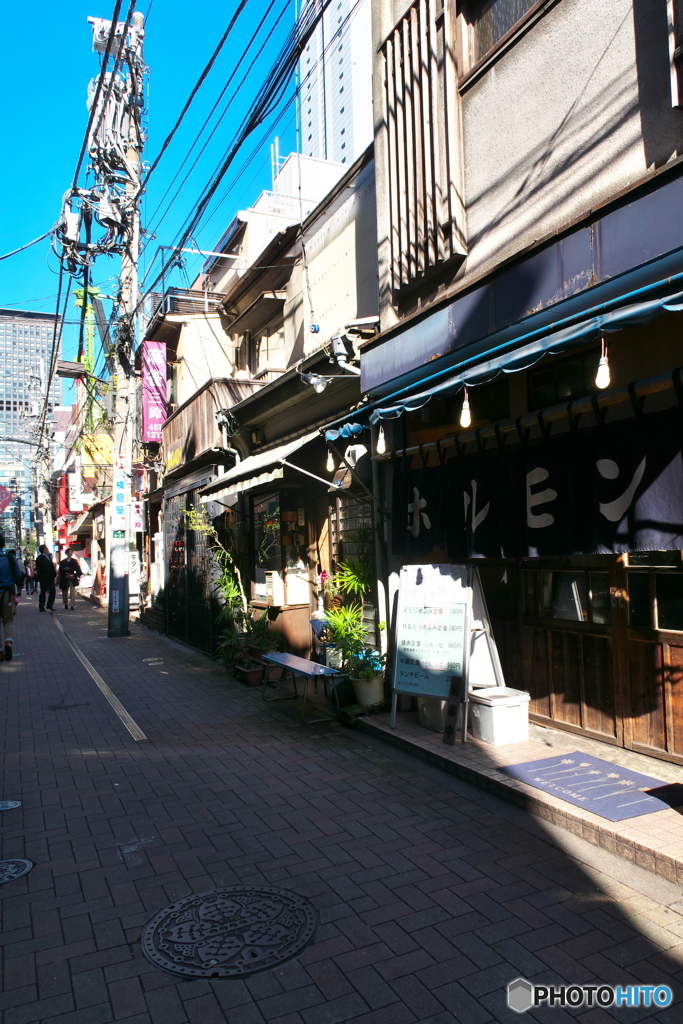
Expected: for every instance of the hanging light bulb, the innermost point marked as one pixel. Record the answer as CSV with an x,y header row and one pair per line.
x,y
330,462
465,415
602,377
381,446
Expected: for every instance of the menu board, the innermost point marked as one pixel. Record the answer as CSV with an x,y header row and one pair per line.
x,y
431,626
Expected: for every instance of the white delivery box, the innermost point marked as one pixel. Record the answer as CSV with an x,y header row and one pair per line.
x,y
499,715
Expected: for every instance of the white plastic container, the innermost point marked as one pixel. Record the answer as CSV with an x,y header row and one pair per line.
x,y
499,715
432,713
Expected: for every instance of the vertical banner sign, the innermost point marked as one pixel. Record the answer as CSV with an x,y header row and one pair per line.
x,y
153,389
5,498
119,497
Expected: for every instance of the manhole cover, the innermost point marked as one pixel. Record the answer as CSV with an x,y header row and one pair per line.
x,y
9,805
15,868
229,932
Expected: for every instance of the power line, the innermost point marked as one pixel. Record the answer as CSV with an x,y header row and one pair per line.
x,y
212,111
28,244
98,90
198,84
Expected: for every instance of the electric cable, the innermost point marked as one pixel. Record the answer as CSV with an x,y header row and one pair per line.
x,y
269,96
236,93
198,84
98,90
28,244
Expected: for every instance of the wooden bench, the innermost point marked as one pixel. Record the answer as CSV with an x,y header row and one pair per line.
x,y
299,667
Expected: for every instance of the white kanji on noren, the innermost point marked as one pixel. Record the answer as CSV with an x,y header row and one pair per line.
x,y
477,517
537,520
615,510
415,510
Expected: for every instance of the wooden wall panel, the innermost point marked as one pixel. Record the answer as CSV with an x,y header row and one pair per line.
x,y
644,706
598,685
566,676
535,674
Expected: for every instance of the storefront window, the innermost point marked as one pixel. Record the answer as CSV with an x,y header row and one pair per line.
x,y
600,598
565,596
639,599
267,542
669,593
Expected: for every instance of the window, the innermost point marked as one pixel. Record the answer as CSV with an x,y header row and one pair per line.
x,y
562,380
575,595
490,20
675,19
423,143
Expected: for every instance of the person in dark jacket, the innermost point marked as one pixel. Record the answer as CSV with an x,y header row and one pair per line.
x,y
69,575
45,574
11,580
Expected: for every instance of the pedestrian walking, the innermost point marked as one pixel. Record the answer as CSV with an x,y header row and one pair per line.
x,y
69,575
11,580
45,574
30,570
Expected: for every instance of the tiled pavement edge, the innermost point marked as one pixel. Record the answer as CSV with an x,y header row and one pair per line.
x,y
432,894
652,841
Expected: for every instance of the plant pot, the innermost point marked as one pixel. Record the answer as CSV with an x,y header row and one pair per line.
x,y
334,658
251,676
369,691
274,673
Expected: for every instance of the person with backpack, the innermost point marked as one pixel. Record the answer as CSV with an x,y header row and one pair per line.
x,y
69,575
11,580
45,574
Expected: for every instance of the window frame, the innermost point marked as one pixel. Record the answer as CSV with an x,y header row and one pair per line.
x,y
471,69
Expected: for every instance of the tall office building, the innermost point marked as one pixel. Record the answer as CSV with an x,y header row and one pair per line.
x,y
335,82
25,353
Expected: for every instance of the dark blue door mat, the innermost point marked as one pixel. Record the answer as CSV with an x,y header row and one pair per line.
x,y
606,789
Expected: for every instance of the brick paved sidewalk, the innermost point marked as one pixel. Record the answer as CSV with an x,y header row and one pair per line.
x,y
432,895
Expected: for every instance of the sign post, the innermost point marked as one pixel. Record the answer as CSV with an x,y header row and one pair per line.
x,y
442,641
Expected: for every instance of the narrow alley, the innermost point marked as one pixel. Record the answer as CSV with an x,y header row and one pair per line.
x,y
430,895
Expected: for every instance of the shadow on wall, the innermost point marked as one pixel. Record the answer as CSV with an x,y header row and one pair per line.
x,y
661,124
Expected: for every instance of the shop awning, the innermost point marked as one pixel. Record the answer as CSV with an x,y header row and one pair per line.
x,y
264,309
255,470
508,355
77,526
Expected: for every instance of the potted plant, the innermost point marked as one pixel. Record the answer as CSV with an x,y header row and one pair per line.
x,y
366,669
345,632
247,669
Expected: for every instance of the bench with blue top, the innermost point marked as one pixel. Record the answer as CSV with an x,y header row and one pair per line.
x,y
300,667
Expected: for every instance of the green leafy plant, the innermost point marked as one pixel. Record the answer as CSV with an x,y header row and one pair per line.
x,y
228,581
367,663
346,631
258,634
355,576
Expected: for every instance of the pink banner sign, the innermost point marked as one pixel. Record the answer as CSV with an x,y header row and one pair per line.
x,y
5,498
153,389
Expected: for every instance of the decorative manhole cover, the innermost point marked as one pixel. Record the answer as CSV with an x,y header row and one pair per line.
x,y
9,805
15,868
229,932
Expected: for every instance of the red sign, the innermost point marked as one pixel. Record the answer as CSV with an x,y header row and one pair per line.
x,y
5,497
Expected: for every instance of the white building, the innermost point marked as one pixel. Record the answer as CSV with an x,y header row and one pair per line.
x,y
335,83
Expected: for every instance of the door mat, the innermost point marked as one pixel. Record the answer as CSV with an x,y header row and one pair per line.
x,y
606,789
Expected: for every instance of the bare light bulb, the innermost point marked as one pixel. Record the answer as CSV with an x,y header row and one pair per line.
x,y
465,415
319,385
381,446
330,462
602,377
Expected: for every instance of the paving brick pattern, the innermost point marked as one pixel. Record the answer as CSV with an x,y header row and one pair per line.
x,y
432,895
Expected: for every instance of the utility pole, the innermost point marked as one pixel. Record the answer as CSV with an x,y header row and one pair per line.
x,y
123,395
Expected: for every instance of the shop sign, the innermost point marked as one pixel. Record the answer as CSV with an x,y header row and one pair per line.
x,y
120,496
153,389
137,520
613,489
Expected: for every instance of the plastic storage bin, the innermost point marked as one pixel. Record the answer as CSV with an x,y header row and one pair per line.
x,y
499,715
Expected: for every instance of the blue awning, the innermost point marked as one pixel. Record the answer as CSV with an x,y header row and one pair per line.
x,y
506,356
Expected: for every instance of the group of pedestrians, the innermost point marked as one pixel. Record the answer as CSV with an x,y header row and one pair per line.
x,y
69,573
14,575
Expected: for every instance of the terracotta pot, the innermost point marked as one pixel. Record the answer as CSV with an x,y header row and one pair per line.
x,y
251,676
369,691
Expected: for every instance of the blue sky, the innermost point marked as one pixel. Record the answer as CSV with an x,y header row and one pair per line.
x,y
47,64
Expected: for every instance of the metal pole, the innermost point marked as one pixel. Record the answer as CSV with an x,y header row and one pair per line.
x,y
119,533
